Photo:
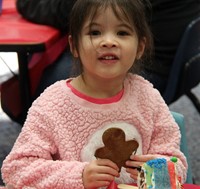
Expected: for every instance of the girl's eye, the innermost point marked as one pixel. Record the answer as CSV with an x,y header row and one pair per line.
x,y
122,33
95,32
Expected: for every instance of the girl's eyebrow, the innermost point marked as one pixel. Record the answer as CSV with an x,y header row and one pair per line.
x,y
93,24
89,25
126,26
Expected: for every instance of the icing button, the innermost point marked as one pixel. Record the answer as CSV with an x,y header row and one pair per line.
x,y
174,159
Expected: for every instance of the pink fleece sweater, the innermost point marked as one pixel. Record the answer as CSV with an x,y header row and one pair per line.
x,y
63,130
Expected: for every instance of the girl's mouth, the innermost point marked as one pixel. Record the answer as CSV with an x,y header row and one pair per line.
x,y
108,58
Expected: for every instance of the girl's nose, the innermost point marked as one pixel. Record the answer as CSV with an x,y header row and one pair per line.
x,y
108,42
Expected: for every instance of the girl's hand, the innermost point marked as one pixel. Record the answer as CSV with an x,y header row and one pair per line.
x,y
99,173
137,161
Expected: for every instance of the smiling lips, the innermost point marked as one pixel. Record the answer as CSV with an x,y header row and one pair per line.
x,y
108,59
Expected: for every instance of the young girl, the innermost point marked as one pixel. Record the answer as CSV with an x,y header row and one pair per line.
x,y
64,126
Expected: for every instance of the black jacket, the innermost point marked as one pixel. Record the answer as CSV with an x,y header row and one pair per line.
x,y
49,12
169,21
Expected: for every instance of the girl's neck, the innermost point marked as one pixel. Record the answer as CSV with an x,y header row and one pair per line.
x,y
97,88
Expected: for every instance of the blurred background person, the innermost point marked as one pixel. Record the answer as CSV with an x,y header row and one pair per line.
x,y
168,22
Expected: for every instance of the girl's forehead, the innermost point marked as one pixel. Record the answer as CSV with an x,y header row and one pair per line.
x,y
101,11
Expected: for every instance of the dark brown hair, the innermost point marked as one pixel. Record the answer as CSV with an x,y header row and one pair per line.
x,y
132,10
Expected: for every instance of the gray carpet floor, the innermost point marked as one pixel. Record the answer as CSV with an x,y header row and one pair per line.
x,y
10,130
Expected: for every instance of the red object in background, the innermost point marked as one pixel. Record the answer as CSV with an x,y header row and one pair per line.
x,y
43,42
16,30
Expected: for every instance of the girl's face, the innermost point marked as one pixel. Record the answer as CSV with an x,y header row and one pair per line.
x,y
108,46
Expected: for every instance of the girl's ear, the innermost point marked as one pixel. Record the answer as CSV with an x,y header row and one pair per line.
x,y
72,48
141,48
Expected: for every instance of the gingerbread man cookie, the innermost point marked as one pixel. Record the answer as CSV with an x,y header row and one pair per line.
x,y
116,148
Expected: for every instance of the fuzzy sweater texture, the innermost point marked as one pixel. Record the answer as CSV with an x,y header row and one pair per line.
x,y
62,132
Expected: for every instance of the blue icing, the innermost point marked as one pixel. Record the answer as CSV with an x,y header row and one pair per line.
x,y
157,163
161,175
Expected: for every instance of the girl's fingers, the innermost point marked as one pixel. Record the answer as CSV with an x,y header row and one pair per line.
x,y
134,164
105,177
132,171
139,160
145,158
107,162
108,171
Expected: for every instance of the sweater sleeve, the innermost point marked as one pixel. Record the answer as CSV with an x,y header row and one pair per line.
x,y
33,161
166,137
54,13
